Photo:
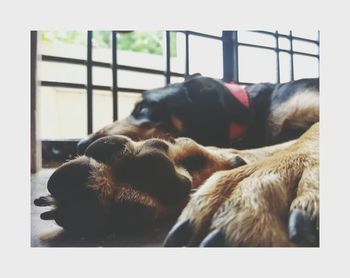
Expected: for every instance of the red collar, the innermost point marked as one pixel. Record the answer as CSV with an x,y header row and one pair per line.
x,y
235,130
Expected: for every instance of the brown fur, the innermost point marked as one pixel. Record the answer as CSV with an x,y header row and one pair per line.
x,y
121,181
134,131
298,112
250,202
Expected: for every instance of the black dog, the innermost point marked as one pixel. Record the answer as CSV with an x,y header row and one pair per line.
x,y
219,114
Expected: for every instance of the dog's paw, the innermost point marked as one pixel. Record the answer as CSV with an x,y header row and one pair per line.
x,y
234,208
304,211
303,228
119,184
116,185
271,202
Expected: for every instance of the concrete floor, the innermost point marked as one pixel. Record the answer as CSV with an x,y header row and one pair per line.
x,y
48,234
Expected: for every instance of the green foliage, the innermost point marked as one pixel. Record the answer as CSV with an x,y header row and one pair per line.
x,y
146,42
72,37
141,42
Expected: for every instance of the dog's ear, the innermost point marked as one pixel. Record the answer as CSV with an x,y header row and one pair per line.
x,y
188,77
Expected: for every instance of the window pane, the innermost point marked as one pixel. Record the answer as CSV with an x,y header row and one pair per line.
x,y
256,38
205,56
102,76
256,65
103,101
175,79
127,103
102,109
141,49
306,47
305,67
70,44
63,113
178,61
138,80
61,72
285,70
102,46
284,43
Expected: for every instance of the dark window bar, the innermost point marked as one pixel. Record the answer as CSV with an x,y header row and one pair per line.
x,y
187,57
291,56
230,54
36,160
318,51
114,76
278,72
167,57
89,86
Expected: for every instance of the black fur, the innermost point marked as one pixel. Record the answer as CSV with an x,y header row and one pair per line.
x,y
203,104
206,107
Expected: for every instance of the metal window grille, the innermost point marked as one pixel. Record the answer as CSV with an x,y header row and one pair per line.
x,y
230,44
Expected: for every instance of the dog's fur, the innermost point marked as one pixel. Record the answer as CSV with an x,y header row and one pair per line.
x,y
202,108
270,202
256,197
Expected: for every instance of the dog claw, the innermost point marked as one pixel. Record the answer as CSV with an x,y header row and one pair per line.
x,y
179,235
44,201
302,229
48,215
214,239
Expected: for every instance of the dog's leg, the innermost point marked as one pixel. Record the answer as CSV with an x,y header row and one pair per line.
x,y
242,207
249,206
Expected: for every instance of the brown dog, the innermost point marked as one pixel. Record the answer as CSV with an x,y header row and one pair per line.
x,y
120,184
270,202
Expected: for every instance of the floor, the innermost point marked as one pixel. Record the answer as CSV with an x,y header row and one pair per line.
x,y
48,234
